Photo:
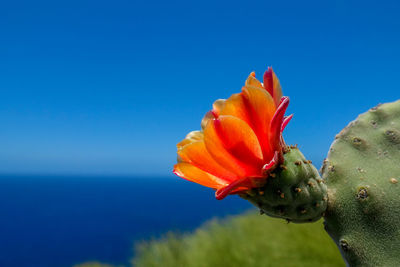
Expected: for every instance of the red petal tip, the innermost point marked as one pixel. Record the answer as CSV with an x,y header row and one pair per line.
x,y
223,192
285,122
283,104
276,122
269,70
272,163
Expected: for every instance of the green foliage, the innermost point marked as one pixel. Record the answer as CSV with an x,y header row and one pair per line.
x,y
362,173
245,240
294,191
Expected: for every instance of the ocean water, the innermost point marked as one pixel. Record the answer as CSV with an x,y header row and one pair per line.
x,y
57,221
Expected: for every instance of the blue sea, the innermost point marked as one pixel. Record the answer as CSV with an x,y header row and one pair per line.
x,y
57,221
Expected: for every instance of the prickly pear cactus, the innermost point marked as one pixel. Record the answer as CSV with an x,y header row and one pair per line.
x,y
362,172
294,191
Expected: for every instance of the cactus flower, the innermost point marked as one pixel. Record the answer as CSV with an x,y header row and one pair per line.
x,y
241,139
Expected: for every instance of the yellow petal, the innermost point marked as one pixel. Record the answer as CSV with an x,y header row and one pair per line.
x,y
197,154
218,105
236,106
194,174
253,82
209,116
190,138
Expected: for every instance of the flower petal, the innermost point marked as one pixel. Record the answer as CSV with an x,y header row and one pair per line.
x,y
194,174
224,191
197,154
190,138
285,122
261,109
253,82
272,164
276,123
272,85
236,106
234,145
179,159
209,116
218,105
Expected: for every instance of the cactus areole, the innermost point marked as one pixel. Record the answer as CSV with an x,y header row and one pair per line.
x,y
362,171
240,150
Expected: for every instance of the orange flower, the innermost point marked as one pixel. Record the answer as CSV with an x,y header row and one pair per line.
x,y
240,141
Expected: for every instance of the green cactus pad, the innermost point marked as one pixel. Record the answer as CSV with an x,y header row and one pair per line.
x,y
294,191
362,172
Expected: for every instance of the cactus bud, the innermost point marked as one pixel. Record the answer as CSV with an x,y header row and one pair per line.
x,y
294,190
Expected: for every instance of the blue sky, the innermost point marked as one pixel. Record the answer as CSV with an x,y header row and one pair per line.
x,y
94,87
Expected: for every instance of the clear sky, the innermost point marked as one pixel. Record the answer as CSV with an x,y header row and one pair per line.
x,y
109,87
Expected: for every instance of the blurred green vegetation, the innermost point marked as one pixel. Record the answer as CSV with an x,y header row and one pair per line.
x,y
244,240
